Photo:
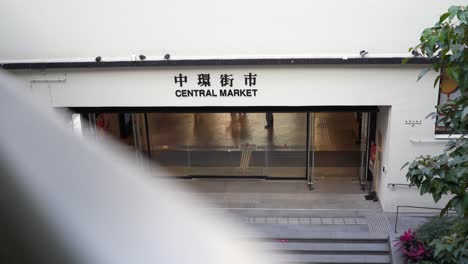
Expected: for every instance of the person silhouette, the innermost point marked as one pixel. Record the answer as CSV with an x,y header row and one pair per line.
x,y
269,119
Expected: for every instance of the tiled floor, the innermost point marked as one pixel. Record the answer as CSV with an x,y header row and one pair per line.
x,y
267,194
271,206
270,186
305,220
375,225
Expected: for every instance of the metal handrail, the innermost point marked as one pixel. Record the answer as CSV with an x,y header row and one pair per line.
x,y
418,207
404,184
398,184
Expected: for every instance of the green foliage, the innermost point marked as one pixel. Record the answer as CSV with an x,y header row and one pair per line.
x,y
447,238
451,249
439,175
445,45
433,229
425,262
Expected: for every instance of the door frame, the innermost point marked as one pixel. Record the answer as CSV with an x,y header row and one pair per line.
x,y
227,109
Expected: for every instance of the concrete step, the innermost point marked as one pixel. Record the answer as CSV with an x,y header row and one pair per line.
x,y
277,232
321,236
302,213
331,258
284,230
335,247
340,247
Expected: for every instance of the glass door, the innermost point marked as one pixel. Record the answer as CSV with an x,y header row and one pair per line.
x,y
364,142
136,125
236,144
126,128
336,150
310,149
283,144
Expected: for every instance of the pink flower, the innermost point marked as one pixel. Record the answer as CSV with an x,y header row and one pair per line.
x,y
417,251
412,248
407,236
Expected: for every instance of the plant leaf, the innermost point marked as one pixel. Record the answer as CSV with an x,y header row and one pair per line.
x,y
443,17
446,208
404,165
423,72
436,81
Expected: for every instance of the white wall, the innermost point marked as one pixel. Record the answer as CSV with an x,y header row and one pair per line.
x,y
56,29
394,156
277,86
400,150
383,132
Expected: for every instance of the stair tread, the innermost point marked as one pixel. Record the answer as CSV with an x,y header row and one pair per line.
x,y
292,234
379,247
331,258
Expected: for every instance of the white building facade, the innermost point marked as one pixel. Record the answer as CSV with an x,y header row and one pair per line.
x,y
304,55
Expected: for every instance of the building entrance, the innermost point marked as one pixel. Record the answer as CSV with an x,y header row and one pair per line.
x,y
309,146
338,147
230,144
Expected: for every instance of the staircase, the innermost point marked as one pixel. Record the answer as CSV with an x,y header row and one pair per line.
x,y
320,236
359,249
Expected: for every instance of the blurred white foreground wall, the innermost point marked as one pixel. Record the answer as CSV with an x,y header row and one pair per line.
x,y
76,202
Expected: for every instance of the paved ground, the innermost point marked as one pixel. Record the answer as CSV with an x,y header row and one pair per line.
x,y
375,225
330,205
262,194
335,211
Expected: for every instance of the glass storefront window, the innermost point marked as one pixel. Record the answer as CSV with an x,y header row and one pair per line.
x,y
229,144
314,146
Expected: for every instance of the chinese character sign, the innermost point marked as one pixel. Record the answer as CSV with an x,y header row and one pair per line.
x,y
226,85
180,79
204,80
226,80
